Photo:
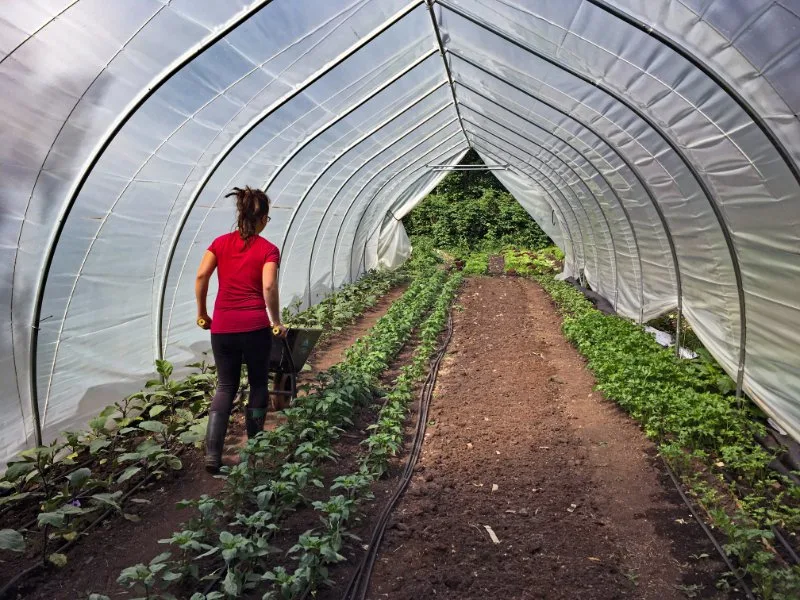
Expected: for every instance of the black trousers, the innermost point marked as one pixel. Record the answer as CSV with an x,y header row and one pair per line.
x,y
230,350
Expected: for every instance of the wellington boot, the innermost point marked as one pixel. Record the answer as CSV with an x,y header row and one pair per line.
x,y
254,420
215,439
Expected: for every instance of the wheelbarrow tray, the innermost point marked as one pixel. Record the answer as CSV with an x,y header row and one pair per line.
x,y
299,342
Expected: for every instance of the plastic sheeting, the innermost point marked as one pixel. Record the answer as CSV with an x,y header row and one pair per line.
x,y
656,142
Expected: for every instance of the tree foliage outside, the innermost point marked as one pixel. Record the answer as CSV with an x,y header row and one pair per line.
x,y
471,210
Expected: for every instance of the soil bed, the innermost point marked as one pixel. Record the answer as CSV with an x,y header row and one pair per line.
x,y
96,563
519,441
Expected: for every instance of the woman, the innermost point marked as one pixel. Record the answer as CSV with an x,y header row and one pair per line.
x,y
246,309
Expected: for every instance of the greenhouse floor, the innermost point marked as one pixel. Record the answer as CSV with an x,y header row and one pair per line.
x,y
519,442
98,562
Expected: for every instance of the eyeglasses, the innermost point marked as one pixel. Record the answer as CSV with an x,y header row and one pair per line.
x,y
269,218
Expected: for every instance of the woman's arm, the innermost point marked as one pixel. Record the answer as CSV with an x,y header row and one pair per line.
x,y
269,279
204,273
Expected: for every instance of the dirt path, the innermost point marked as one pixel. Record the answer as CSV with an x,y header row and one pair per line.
x,y
518,441
122,543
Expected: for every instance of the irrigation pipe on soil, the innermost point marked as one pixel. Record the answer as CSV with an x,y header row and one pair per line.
x,y
359,584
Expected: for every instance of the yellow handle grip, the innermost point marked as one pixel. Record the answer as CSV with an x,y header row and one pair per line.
x,y
276,330
201,322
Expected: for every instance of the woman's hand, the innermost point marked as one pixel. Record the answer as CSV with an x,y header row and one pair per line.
x,y
279,330
204,321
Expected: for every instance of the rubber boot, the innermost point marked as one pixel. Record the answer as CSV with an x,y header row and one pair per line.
x,y
215,439
254,420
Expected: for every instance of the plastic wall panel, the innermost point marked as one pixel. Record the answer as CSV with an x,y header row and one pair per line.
x,y
601,268
73,71
672,187
255,157
366,182
627,298
403,147
396,192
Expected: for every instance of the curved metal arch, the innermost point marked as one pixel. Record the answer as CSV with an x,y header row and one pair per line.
x,y
438,156
145,94
347,112
670,142
526,162
730,90
360,191
631,167
350,177
587,191
546,194
557,189
236,140
589,163
533,179
360,140
440,46
40,28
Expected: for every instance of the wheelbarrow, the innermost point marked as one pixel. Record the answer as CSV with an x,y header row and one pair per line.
x,y
287,357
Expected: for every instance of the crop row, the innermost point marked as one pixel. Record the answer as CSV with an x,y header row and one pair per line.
x,y
708,436
319,548
346,304
49,495
225,549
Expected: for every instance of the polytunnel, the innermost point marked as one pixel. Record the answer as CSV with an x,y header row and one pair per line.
x,y
656,142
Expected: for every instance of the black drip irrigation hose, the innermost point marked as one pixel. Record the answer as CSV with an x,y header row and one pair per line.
x,y
359,584
707,531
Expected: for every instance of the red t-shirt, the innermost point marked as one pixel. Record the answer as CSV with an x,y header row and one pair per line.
x,y
240,305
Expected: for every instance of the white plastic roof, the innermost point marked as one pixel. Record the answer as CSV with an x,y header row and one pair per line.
x,y
657,142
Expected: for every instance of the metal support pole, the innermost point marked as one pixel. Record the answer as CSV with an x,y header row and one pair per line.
x,y
369,205
440,44
255,122
363,187
613,249
666,139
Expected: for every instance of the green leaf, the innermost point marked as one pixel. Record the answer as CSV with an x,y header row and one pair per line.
x,y
152,383
154,426
59,560
11,540
164,368
157,410
174,463
54,519
230,585
161,558
18,469
14,498
79,477
111,500
98,444
128,473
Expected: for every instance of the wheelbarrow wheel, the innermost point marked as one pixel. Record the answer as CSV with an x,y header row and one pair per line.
x,y
281,382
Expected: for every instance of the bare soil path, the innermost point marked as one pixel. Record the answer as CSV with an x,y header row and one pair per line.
x,y
96,564
518,441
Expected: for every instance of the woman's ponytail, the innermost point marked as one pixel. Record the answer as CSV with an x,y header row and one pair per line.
x,y
252,206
